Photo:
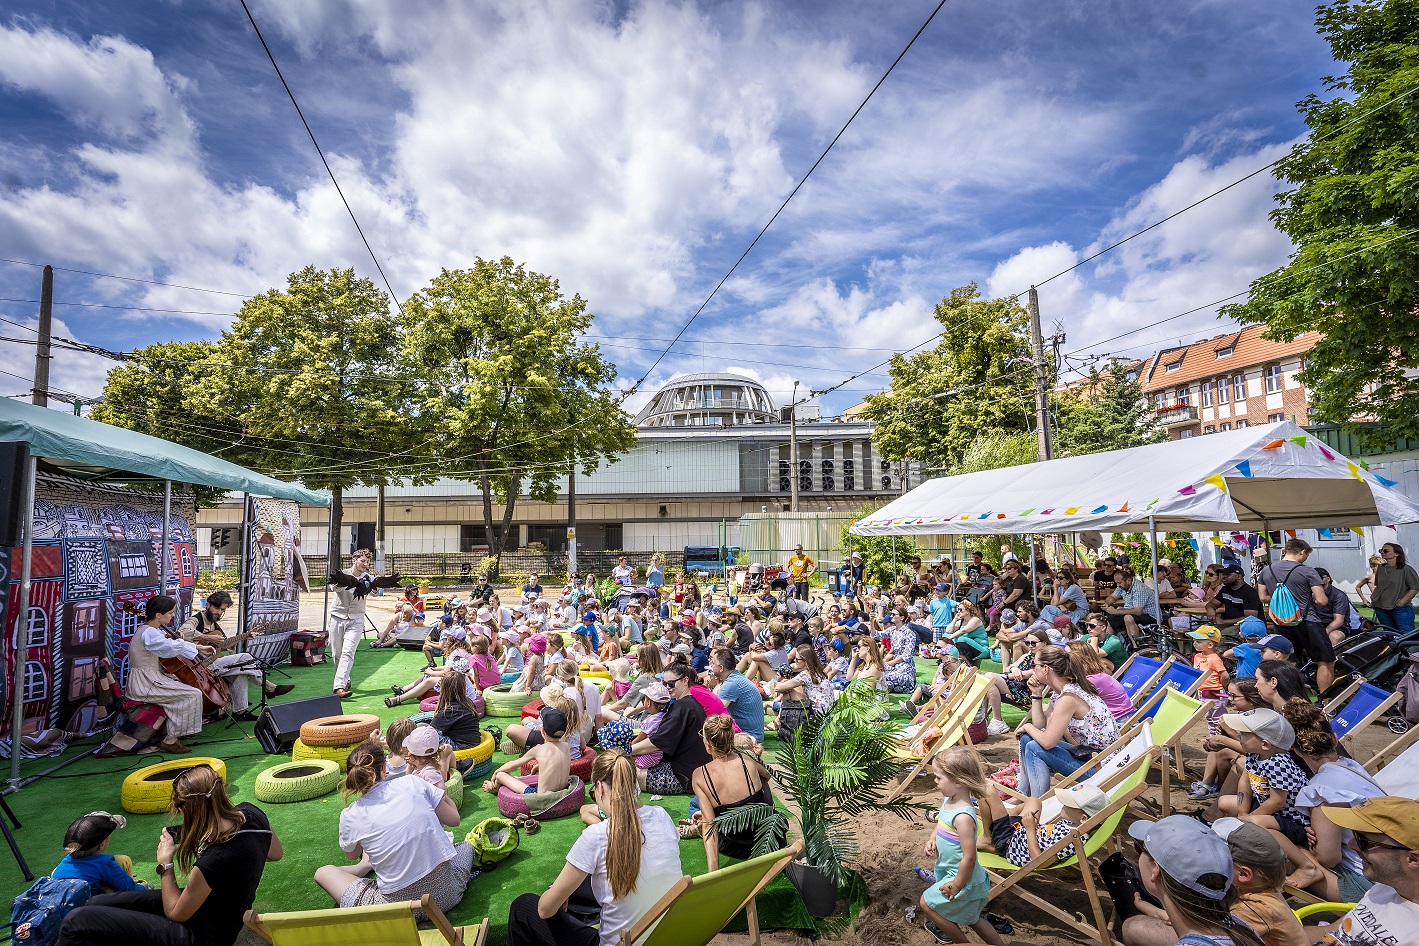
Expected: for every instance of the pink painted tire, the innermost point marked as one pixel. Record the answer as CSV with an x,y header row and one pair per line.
x,y
511,803
429,703
581,768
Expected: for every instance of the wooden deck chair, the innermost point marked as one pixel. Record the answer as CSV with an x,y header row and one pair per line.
x,y
385,924
945,700
1397,748
938,694
1361,704
952,727
1401,776
1139,674
1170,714
1006,877
1107,761
695,909
1179,676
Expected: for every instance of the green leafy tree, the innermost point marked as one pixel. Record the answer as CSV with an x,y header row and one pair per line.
x,y
311,374
1134,546
878,552
1105,411
995,450
975,381
1353,214
515,399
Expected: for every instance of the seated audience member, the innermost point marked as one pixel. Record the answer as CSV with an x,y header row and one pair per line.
x,y
1076,720
1133,605
1099,672
1016,832
1386,831
1103,639
630,854
742,700
729,780
222,851
394,828
550,756
86,857
679,738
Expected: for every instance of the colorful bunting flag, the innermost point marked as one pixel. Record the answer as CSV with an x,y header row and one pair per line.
x,y
1327,454
1188,491
1385,481
1046,512
985,515
1325,533
1299,440
1028,511
1244,468
1000,515
1358,531
1124,507
1354,471
1217,481
1216,541
1071,510
1273,445
1193,543
1153,503
1291,533
1099,509
1365,464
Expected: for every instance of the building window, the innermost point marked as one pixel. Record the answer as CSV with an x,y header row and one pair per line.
x,y
1206,398
828,484
1226,352
132,565
1275,418
37,628
1187,434
848,479
1224,391
1243,423
1273,379
1185,396
36,681
1209,429
1239,388
1227,425
1169,368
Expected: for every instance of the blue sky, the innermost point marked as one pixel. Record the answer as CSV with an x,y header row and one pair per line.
x,y
632,150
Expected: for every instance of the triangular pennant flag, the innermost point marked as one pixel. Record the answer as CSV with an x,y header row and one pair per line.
x,y
1357,530
1028,511
1099,509
965,517
1046,512
1172,543
1328,455
1385,481
1244,468
1193,543
1153,503
1299,440
985,515
1071,510
1124,507
1324,533
1000,515
1216,541
1354,471
1291,533
1188,491
1273,445
1217,481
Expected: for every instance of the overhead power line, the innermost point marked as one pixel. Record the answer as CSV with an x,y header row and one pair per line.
x,y
328,170
150,282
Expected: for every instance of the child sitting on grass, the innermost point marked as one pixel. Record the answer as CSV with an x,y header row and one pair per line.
x,y
84,859
961,887
550,757
1018,835
655,699
428,758
395,764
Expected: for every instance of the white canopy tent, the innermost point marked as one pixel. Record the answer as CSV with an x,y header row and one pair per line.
x,y
1255,479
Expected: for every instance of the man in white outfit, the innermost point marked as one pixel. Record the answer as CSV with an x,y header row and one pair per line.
x,y
238,670
348,614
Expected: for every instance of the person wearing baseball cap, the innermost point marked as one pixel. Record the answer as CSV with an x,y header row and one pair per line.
x,y
1187,868
801,567
1267,796
1247,654
1213,685
1276,647
1387,835
1018,835
1235,599
1258,875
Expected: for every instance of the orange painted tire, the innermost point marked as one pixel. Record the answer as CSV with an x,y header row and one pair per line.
x,y
348,730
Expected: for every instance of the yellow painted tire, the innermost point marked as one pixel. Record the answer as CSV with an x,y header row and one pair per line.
x,y
601,683
297,781
500,701
482,752
596,674
148,791
337,754
349,730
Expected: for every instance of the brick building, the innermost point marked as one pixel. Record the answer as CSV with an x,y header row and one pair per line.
x,y
1234,380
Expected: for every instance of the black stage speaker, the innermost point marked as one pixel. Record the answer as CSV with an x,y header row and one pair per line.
x,y
14,470
280,726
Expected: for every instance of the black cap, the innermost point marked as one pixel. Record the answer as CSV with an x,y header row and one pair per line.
x,y
554,722
1322,572
1231,568
91,830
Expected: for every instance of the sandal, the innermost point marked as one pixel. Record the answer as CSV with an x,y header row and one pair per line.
x,y
391,701
397,689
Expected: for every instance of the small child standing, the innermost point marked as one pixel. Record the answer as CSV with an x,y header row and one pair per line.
x,y
1258,875
1018,835
1266,796
958,896
1247,654
1213,686
84,859
550,756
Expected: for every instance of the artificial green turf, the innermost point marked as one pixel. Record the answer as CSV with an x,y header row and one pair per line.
x,y
309,830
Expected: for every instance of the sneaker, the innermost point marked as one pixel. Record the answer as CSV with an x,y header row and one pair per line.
x,y
935,930
1202,792
908,707
280,689
997,727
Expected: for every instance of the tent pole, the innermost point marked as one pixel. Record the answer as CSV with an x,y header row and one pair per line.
x,y
1034,574
243,572
166,570
1153,553
22,608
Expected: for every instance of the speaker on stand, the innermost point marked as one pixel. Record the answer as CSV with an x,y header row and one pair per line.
x,y
280,725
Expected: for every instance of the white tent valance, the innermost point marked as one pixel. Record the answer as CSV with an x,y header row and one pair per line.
x,y
1257,478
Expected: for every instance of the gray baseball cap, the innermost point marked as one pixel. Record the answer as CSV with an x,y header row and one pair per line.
x,y
1187,850
1265,724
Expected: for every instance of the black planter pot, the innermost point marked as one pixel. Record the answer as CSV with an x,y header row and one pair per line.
x,y
819,893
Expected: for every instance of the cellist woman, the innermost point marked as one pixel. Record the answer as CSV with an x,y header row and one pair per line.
x,y
148,683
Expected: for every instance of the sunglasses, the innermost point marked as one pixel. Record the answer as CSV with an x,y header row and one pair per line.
x,y
1365,844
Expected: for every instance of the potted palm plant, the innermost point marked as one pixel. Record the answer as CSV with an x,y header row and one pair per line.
x,y
834,769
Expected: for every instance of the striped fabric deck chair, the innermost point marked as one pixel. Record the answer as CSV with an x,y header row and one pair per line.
x,y
951,727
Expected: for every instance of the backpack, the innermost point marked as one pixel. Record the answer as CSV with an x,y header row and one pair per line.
x,y
36,914
493,840
1408,690
1283,609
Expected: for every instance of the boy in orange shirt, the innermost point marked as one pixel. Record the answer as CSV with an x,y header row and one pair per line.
x,y
1214,673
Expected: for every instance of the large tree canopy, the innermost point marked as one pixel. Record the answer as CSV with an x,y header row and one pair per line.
x,y
1354,217
1104,411
975,381
515,398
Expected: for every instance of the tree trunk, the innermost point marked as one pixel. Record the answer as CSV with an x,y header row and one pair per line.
x,y
337,514
495,544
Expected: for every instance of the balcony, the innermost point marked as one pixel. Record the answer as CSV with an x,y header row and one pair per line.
x,y
1173,415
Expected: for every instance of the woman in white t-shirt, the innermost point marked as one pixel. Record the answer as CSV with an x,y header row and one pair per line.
x,y
631,853
395,829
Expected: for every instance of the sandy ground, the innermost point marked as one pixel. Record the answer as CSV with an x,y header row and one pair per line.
x,y
896,845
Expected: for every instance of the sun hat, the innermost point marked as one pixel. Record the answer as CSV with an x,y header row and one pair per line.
x,y
682,648
537,644
1264,724
423,741
510,636
1277,642
1395,817
455,602
1252,626
552,691
1206,633
484,616
1251,844
657,693
457,633
1089,799
1008,616
1187,850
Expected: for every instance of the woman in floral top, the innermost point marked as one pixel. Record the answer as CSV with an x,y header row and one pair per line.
x,y
810,682
1075,717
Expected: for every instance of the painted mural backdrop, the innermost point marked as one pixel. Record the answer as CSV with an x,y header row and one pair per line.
x,y
95,548
277,571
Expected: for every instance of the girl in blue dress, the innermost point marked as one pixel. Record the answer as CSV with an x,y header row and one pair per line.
x,y
958,896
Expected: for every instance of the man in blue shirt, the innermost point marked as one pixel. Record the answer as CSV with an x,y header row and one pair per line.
x,y
942,609
740,697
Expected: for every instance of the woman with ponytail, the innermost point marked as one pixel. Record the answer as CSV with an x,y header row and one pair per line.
x,y
1076,723
221,848
395,830
630,853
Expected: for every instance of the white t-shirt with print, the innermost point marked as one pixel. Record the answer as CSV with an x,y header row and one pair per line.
x,y
1381,918
660,868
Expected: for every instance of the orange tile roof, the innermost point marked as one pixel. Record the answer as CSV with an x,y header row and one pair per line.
x,y
1199,360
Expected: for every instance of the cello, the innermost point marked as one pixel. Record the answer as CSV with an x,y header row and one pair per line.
x,y
216,695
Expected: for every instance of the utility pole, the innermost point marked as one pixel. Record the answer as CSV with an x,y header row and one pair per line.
x,y
793,447
571,521
40,395
1041,379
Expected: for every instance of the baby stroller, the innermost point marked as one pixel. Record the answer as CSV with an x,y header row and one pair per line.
x,y
1382,657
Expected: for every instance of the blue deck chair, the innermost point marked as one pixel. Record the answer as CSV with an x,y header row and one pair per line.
x,y
1180,677
1361,704
1139,675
